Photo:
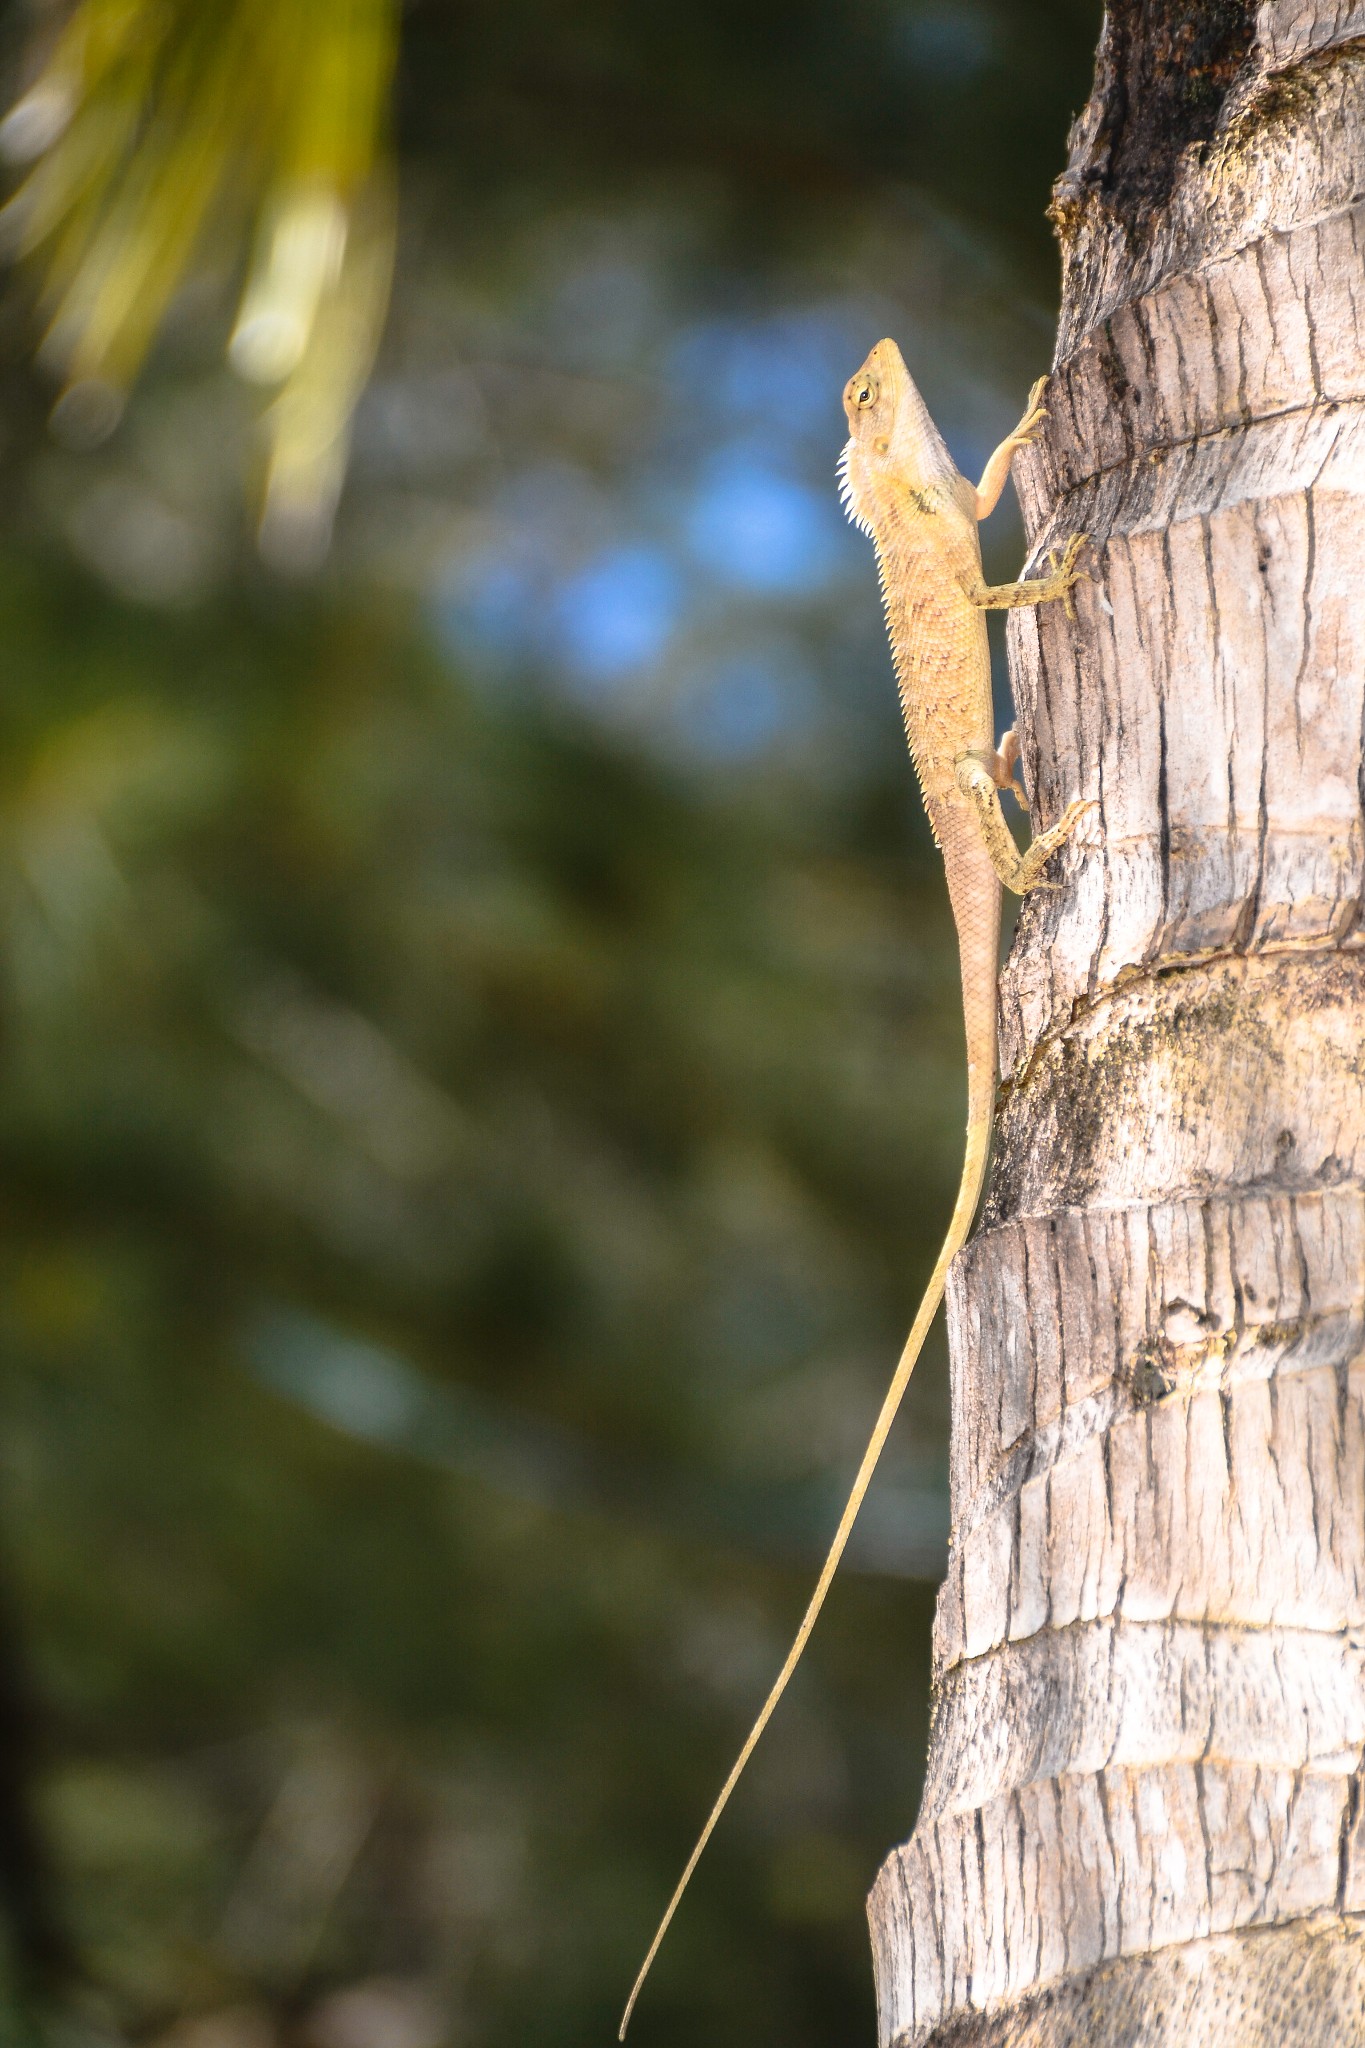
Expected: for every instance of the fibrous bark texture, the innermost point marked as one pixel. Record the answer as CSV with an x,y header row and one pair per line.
x,y
1143,1818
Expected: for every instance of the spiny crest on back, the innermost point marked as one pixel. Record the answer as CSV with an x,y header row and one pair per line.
x,y
846,491
892,441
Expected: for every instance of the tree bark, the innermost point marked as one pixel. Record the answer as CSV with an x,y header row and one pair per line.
x,y
1142,1821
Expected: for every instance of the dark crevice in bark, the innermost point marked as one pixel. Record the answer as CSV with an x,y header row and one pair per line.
x,y
1350,1815
1163,74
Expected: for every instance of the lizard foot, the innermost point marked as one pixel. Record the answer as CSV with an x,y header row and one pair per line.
x,y
977,778
1035,412
1063,573
1045,845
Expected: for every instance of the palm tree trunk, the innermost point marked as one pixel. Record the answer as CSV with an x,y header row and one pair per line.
x,y
1142,1821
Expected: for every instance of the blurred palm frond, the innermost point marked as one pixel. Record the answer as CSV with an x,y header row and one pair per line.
x,y
156,129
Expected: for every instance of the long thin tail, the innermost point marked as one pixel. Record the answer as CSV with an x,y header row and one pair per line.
x,y
968,1195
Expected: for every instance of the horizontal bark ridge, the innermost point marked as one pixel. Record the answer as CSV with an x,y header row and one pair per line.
x,y
1214,449
1153,1630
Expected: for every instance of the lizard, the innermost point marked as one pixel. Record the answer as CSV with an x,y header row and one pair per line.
x,y
901,487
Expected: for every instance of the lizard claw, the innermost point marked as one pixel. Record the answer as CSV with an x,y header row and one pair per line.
x,y
1065,572
1068,600
1035,412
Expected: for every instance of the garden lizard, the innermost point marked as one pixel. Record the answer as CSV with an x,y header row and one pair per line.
x,y
901,487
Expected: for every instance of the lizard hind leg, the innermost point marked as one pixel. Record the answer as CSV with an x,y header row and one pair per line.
x,y
1019,872
1004,768
1045,845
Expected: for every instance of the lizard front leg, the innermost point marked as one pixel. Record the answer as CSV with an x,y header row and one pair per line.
x,y
998,468
1034,589
978,777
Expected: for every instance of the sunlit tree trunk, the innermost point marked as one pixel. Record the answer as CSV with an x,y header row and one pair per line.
x,y
1143,1821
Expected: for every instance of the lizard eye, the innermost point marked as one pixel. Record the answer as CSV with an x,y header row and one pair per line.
x,y
864,392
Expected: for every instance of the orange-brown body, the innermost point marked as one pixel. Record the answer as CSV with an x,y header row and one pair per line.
x,y
901,487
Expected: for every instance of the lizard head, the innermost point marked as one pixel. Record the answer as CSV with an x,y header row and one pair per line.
x,y
893,445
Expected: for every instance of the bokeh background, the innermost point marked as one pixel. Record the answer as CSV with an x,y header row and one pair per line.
x,y
480,1084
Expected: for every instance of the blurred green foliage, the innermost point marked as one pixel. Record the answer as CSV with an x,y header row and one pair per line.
x,y
481,1082
153,123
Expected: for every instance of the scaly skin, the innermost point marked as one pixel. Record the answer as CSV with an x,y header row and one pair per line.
x,y
901,487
